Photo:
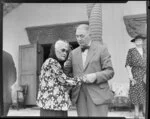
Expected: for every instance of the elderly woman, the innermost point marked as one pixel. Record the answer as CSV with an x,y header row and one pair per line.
x,y
53,98
136,67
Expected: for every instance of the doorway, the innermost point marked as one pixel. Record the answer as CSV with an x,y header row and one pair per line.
x,y
46,51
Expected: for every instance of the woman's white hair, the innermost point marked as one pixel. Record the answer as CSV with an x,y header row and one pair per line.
x,y
59,42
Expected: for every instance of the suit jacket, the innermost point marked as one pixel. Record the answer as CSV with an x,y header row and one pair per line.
x,y
98,61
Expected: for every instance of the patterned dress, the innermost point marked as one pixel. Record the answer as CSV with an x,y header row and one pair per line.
x,y
53,84
137,62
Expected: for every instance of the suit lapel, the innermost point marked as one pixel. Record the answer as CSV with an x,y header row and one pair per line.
x,y
79,59
90,54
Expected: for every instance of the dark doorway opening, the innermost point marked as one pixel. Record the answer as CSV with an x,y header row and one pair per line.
x,y
73,45
46,51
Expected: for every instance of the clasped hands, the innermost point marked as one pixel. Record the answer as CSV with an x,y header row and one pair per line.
x,y
89,78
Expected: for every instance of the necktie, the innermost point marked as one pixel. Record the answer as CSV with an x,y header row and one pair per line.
x,y
84,48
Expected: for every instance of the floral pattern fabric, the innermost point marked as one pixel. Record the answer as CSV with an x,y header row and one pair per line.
x,y
53,84
137,93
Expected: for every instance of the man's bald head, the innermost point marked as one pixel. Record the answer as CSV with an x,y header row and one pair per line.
x,y
83,26
82,35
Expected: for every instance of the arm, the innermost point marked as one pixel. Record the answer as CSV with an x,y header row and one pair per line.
x,y
128,66
129,72
130,75
107,71
53,67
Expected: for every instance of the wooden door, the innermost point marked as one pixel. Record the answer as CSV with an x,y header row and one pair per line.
x,y
28,70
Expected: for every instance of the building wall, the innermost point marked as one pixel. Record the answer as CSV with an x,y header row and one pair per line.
x,y
116,36
114,31
14,23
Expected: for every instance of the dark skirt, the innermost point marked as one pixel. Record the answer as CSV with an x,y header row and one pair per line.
x,y
53,113
137,93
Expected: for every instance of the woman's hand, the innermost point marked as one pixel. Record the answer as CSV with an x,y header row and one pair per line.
x,y
133,81
71,82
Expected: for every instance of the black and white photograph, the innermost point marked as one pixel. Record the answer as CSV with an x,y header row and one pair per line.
x,y
75,59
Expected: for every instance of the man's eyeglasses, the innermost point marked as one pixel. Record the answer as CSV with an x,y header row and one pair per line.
x,y
64,50
81,36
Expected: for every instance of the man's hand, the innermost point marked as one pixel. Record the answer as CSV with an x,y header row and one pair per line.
x,y
90,78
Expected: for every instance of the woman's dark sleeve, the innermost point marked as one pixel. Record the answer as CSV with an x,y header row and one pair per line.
x,y
129,59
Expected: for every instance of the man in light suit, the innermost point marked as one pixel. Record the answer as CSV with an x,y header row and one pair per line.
x,y
92,59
